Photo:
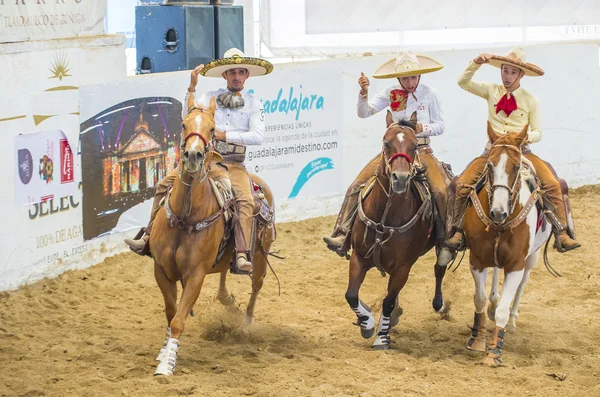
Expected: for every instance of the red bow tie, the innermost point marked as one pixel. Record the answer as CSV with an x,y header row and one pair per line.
x,y
398,99
507,104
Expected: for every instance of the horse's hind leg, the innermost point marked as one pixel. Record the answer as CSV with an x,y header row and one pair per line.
x,y
397,280
191,291
258,277
223,295
514,309
444,256
362,311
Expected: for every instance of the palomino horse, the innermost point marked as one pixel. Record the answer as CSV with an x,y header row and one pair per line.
x,y
395,229
187,249
510,237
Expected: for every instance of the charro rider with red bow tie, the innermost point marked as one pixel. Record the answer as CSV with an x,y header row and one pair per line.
x,y
403,100
510,109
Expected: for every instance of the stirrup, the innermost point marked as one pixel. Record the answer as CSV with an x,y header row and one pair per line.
x,y
233,267
145,250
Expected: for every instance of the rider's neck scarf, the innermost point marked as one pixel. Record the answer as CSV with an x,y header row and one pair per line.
x,y
507,103
231,100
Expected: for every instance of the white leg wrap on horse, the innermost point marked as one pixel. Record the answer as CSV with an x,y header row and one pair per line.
x,y
169,359
362,311
383,340
162,349
511,283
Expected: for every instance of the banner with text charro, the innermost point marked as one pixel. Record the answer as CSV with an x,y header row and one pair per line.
x,y
22,20
302,150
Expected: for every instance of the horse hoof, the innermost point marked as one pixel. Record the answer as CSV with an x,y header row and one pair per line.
x,y
477,345
163,369
227,301
491,312
384,346
492,361
367,333
512,325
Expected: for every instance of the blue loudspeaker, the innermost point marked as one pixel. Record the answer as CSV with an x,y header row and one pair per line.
x,y
171,38
229,29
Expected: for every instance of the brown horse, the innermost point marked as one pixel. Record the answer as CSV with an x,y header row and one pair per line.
x,y
189,230
503,229
394,229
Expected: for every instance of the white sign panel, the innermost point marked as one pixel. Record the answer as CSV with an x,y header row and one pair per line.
x,y
45,167
302,145
22,20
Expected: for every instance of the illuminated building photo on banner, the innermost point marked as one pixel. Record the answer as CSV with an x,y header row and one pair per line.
x,y
125,150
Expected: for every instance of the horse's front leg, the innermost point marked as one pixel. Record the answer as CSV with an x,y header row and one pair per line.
x,y
512,280
494,295
258,277
477,341
191,291
169,292
363,312
444,256
514,309
397,281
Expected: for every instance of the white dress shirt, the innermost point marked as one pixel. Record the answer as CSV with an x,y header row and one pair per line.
x,y
425,102
242,126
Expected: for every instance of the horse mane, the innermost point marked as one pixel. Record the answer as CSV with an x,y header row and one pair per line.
x,y
408,123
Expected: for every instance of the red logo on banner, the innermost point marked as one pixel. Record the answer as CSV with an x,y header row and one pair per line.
x,y
66,162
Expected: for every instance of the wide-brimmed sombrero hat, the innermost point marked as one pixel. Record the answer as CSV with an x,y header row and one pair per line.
x,y
516,58
234,59
407,64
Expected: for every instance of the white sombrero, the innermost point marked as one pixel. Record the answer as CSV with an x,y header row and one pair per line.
x,y
516,58
407,64
234,59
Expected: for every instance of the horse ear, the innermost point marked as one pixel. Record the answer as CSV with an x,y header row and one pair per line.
x,y
191,101
523,135
413,118
389,119
493,135
213,106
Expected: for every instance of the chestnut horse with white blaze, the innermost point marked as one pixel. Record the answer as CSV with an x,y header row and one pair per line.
x,y
187,236
503,229
394,228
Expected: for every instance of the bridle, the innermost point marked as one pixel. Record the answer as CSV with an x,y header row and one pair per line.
x,y
513,191
388,162
208,148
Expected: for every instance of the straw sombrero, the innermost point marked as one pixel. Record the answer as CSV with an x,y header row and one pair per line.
x,y
233,59
407,64
516,58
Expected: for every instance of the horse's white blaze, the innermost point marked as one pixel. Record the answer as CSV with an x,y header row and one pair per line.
x,y
400,137
512,281
500,199
198,123
480,278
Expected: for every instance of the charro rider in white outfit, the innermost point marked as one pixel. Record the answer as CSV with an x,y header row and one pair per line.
x,y
239,122
407,99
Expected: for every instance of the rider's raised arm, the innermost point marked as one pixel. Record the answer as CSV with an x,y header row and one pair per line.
x,y
466,83
255,135
436,118
366,108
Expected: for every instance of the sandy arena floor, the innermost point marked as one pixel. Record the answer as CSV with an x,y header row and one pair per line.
x,y
96,332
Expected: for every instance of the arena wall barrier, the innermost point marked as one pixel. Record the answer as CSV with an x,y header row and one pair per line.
x,y
315,145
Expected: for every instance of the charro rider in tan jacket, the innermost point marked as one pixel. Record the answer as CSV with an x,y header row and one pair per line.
x,y
239,122
510,109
